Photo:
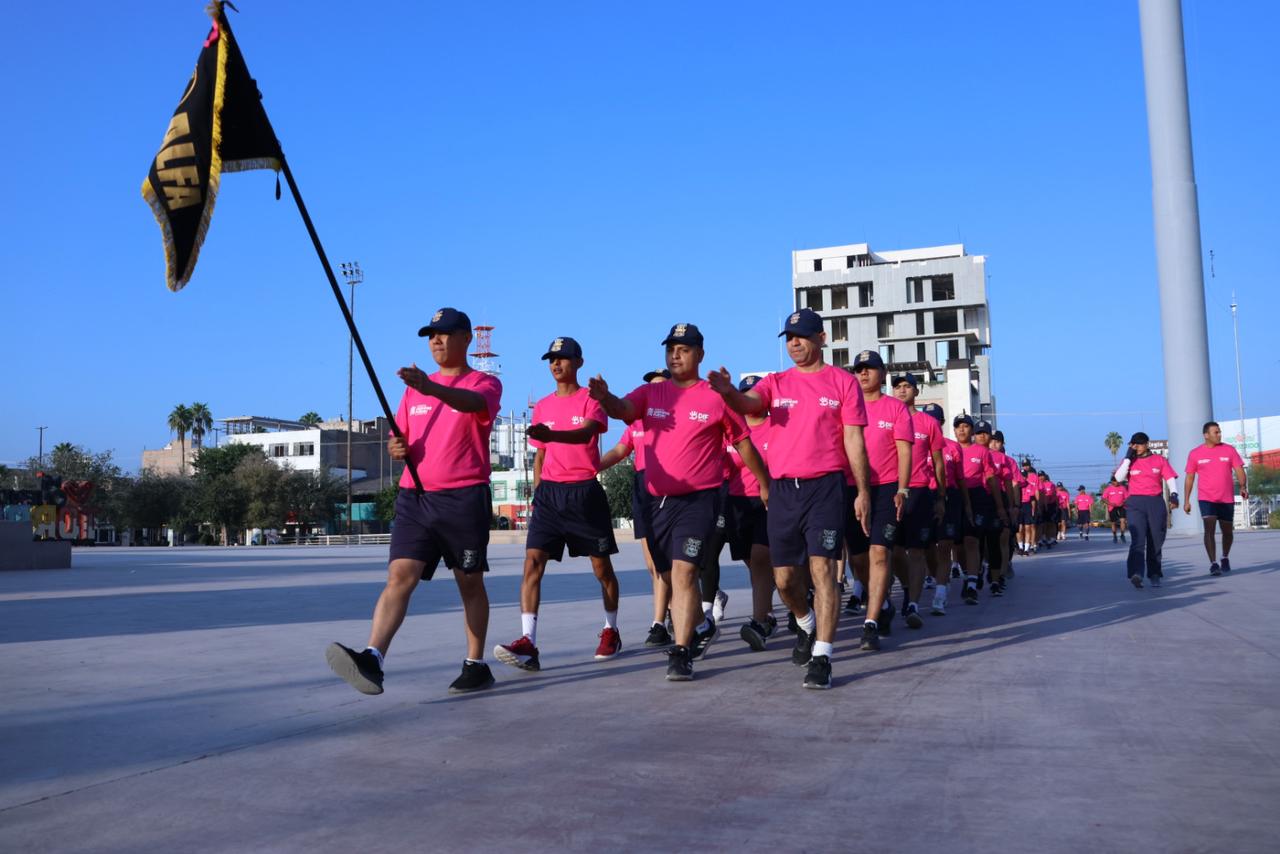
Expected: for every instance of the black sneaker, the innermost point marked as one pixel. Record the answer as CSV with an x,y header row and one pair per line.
x,y
969,594
955,573
870,637
819,674
770,625
854,605
1123,538
1136,580
679,664
360,670
658,636
912,615
475,676
997,589
1226,565
804,647
754,634
792,625
1214,569
885,620
702,640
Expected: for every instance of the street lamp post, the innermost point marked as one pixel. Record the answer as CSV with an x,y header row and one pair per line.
x,y
41,457
352,273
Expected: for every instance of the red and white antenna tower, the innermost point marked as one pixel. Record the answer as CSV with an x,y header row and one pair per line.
x,y
484,359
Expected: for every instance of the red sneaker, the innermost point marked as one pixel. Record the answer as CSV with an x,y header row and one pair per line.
x,y
519,653
610,644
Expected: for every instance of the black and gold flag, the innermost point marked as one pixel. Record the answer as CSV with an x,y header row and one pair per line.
x,y
219,126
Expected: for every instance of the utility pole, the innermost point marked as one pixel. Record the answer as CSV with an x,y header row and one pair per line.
x,y
1235,328
1188,390
41,457
351,272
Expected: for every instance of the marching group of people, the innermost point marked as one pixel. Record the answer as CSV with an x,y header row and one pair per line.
x,y
802,473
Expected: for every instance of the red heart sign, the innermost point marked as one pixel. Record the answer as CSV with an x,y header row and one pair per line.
x,y
78,490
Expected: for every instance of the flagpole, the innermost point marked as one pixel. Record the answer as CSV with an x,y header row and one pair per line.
x,y
342,304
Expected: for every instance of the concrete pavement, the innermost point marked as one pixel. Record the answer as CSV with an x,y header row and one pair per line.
x,y
178,699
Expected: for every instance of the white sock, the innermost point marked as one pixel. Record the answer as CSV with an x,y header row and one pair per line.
x,y
377,653
529,627
858,589
871,623
971,579
610,619
808,623
941,596
474,660
707,606
822,648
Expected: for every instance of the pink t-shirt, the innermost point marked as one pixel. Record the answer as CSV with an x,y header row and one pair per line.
x,y
887,421
563,462
1212,467
685,433
1064,499
1114,496
1003,466
633,438
1032,488
808,413
976,460
928,438
741,480
1148,474
449,449
1083,500
1048,492
952,466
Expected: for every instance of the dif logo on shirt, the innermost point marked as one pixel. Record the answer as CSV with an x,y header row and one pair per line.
x,y
829,402
657,412
420,409
700,417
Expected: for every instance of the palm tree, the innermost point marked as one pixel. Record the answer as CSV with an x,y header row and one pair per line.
x,y
180,423
1113,442
201,422
311,418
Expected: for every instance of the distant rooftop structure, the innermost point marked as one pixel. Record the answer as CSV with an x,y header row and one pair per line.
x,y
258,424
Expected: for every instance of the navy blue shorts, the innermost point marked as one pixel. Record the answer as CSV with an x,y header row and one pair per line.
x,y
681,527
1026,516
953,519
572,514
884,520
985,519
641,506
1082,518
919,528
806,518
1115,514
746,525
448,524
1223,511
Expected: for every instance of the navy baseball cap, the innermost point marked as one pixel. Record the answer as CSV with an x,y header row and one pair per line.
x,y
563,348
664,373
446,320
998,435
748,382
934,411
868,359
906,378
981,426
1139,438
806,323
961,419
684,333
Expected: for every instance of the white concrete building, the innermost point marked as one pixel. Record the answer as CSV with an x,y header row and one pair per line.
x,y
925,310
302,447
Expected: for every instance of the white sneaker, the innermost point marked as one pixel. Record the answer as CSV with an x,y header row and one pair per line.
x,y
717,606
939,602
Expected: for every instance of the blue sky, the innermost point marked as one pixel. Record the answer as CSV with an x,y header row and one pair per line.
x,y
604,170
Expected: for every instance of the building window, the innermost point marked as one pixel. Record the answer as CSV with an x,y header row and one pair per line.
x,y
866,295
499,488
524,489
840,329
921,354
886,353
943,287
919,322
817,265
947,350
813,299
840,297
840,357
945,321
884,325
279,450
304,449
915,289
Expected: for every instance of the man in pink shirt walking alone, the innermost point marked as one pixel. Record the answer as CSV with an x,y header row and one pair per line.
x,y
1214,462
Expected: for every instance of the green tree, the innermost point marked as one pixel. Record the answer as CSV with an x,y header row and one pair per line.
x,y
1113,441
201,423
384,505
1264,481
155,501
311,418
262,482
180,423
617,486
73,462
313,497
221,498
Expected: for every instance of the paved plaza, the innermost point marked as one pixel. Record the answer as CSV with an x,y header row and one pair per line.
x,y
178,700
